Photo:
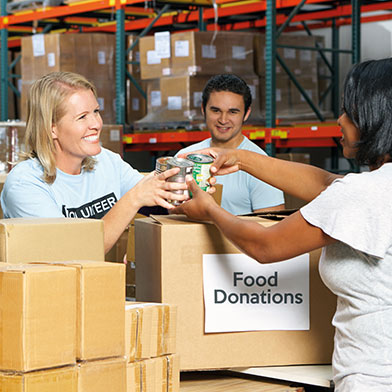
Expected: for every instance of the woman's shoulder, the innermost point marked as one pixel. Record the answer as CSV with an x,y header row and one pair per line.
x,y
29,168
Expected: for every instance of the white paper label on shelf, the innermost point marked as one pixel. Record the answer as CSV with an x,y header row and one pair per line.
x,y
115,135
252,89
101,57
101,103
278,95
197,99
20,83
208,51
289,53
162,44
137,56
174,103
305,55
152,57
51,59
152,140
228,68
135,104
38,45
241,294
166,71
181,48
156,98
238,52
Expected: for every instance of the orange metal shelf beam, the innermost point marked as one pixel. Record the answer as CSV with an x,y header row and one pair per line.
x,y
315,135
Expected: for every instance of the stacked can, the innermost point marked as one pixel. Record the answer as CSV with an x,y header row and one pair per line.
x,y
201,169
186,167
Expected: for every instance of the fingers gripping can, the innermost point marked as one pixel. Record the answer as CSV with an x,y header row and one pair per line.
x,y
201,169
186,167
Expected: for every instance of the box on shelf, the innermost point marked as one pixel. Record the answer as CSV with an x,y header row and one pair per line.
x,y
112,138
198,53
100,296
46,239
109,375
171,272
45,53
62,379
299,61
38,317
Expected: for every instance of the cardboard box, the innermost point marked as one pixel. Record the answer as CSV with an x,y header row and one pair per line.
x,y
150,330
100,289
45,53
108,375
46,239
112,138
171,272
151,65
161,374
38,320
62,379
299,61
134,377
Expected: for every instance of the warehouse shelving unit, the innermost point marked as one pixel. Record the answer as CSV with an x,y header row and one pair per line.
x,y
140,17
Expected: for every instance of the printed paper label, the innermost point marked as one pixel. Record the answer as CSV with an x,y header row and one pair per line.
x,y
51,59
241,294
135,104
181,49
101,57
197,98
238,52
174,103
162,44
208,51
101,103
156,98
152,57
115,135
38,45
289,53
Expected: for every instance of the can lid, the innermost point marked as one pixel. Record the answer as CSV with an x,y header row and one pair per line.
x,y
179,162
200,158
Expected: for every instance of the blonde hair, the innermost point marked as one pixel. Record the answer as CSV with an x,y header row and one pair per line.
x,y
45,107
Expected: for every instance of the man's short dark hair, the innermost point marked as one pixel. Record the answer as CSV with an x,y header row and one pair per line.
x,y
227,82
367,101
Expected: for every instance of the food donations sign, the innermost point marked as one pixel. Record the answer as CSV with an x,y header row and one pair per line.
x,y
241,294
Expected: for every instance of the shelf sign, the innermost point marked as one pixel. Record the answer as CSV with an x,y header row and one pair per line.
x,y
241,294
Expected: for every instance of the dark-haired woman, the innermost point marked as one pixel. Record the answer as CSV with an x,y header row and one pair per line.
x,y
349,216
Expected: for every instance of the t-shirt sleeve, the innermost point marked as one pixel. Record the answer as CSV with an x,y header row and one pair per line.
x,y
351,210
129,176
28,200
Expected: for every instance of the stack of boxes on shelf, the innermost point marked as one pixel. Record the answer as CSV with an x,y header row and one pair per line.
x,y
176,80
63,320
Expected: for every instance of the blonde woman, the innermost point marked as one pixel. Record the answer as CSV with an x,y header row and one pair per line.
x,y
66,173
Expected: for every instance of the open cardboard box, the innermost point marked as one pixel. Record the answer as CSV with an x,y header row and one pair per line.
x,y
169,252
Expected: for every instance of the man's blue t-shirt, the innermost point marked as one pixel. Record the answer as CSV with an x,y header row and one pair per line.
x,y
243,193
86,195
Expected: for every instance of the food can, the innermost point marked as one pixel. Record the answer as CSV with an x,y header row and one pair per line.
x,y
201,169
186,167
161,164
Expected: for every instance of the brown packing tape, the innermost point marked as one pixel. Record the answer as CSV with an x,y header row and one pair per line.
x,y
133,377
173,373
131,325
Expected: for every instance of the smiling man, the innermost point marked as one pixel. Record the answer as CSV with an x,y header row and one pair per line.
x,y
226,105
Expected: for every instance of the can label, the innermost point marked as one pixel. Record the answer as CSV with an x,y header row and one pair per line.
x,y
201,169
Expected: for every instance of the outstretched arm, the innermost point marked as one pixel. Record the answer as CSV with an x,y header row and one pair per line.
x,y
289,238
297,179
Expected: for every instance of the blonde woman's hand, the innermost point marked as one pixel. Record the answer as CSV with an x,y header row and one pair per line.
x,y
154,190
